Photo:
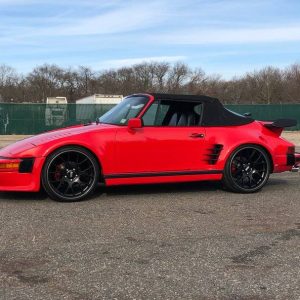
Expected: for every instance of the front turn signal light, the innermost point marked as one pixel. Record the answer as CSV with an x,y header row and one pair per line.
x,y
9,165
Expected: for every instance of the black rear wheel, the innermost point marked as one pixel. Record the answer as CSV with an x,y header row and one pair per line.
x,y
247,170
70,174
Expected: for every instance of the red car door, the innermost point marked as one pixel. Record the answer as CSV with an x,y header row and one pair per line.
x,y
160,149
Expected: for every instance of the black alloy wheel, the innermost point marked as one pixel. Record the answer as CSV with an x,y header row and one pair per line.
x,y
247,169
70,174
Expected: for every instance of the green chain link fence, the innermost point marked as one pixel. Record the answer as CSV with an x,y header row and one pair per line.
x,y
36,118
270,112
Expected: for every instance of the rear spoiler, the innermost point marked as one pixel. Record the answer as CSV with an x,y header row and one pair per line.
x,y
281,123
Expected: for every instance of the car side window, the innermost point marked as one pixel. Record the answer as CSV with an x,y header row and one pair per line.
x,y
150,115
156,114
184,114
162,113
173,113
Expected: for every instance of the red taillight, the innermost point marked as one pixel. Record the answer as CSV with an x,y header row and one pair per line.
x,y
9,164
291,150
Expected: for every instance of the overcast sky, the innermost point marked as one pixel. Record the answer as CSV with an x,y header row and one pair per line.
x,y
228,37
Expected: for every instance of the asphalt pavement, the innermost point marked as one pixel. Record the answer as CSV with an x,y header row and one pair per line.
x,y
174,241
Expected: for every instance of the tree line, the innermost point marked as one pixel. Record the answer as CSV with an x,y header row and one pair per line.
x,y
269,85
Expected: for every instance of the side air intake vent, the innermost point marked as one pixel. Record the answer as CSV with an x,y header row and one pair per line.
x,y
214,154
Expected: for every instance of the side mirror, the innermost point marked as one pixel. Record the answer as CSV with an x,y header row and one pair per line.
x,y
134,123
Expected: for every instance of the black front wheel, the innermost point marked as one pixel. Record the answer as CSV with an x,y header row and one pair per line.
x,y
70,174
247,170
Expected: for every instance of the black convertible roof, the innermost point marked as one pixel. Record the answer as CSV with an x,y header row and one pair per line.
x,y
214,113
177,97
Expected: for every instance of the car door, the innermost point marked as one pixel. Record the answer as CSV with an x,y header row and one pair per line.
x,y
160,145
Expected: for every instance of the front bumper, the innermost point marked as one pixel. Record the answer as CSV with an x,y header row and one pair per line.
x,y
23,182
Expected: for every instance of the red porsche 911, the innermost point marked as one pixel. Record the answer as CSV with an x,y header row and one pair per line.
x,y
150,138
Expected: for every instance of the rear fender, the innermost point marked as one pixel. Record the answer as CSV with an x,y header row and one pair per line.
x,y
266,149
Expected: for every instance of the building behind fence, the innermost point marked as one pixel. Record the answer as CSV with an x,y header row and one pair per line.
x,y
36,118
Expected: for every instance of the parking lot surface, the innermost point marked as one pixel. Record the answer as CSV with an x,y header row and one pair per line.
x,y
182,241
174,241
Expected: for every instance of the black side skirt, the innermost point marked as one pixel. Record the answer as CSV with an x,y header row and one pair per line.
x,y
172,173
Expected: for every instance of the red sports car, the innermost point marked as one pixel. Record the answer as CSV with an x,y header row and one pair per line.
x,y
150,138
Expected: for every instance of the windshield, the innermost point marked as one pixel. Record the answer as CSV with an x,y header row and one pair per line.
x,y
129,108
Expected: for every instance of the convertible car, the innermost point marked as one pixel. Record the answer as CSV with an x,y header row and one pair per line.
x,y
150,138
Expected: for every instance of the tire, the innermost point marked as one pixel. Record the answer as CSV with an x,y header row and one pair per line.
x,y
247,169
70,174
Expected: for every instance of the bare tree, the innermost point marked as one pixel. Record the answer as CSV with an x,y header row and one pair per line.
x,y
108,82
46,80
268,85
291,83
160,71
178,77
9,80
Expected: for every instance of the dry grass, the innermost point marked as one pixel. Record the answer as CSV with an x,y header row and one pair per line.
x,y
292,136
9,139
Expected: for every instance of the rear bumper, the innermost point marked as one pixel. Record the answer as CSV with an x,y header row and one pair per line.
x,y
23,182
296,166
286,162
297,159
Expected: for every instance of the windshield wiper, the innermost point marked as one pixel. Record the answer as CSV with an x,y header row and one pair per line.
x,y
88,123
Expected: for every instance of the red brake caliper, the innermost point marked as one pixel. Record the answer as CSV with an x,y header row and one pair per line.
x,y
58,172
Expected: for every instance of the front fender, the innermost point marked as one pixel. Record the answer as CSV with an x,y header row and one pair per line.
x,y
103,149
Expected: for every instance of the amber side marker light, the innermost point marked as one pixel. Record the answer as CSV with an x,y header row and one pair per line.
x,y
9,165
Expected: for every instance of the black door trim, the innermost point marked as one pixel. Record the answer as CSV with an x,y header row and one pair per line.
x,y
153,174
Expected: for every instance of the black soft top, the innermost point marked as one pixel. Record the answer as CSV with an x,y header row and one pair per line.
x,y
214,113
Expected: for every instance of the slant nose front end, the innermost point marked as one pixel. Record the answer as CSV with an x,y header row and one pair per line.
x,y
20,174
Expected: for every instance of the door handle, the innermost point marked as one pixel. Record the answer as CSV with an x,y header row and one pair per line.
x,y
197,135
